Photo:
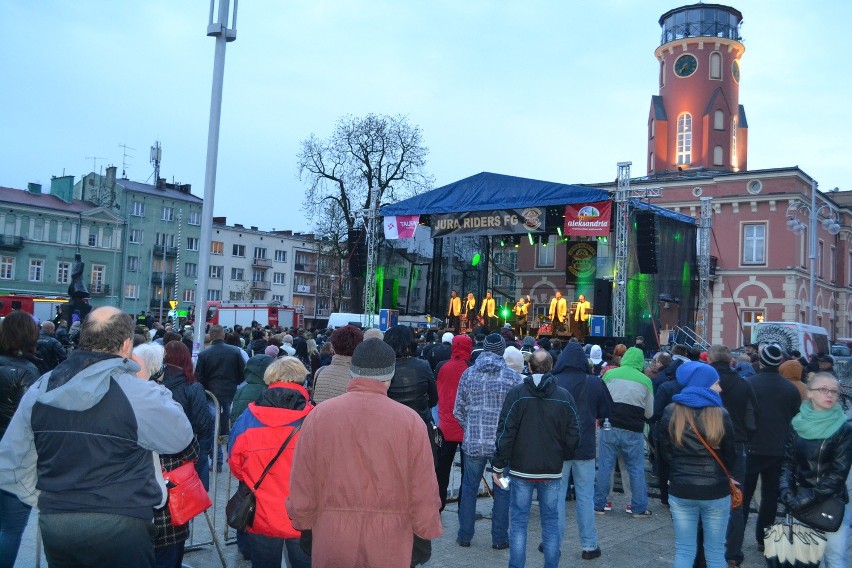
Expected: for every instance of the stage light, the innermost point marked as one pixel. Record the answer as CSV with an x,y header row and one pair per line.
x,y
531,238
559,232
504,312
603,240
502,241
474,261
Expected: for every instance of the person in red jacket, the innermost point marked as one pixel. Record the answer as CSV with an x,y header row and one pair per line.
x,y
449,374
255,439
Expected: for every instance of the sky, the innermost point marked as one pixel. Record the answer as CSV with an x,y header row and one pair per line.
x,y
544,89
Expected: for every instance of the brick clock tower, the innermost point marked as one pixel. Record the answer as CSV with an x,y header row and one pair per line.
x,y
697,120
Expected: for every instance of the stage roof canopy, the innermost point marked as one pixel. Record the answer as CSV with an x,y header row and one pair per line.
x,y
487,192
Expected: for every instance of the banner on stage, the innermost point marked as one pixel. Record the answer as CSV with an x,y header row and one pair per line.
x,y
590,220
581,262
401,226
499,222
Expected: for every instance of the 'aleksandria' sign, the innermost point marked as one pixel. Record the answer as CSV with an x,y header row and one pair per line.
x,y
500,222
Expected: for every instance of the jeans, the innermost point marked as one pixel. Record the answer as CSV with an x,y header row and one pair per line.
x,y
584,489
521,492
13,520
224,425
267,551
736,524
768,468
80,540
713,514
835,547
202,466
474,467
445,465
632,446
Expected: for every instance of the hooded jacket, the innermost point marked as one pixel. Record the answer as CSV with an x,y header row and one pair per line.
x,y
591,397
482,390
738,399
192,398
632,392
255,439
779,403
537,431
84,437
254,387
449,376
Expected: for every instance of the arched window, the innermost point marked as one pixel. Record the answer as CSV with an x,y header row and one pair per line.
x,y
651,162
684,139
651,128
662,72
718,159
716,65
735,162
719,120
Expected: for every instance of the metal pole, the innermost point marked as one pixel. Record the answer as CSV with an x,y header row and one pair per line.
x,y
220,31
812,228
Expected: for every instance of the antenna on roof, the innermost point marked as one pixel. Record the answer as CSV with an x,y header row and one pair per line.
x,y
124,157
156,156
94,160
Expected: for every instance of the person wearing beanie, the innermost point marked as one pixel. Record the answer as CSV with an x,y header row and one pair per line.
x,y
449,375
779,402
253,385
792,371
363,479
632,404
514,359
698,486
272,351
817,459
482,390
332,380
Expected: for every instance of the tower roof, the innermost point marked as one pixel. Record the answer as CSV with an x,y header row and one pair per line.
x,y
701,20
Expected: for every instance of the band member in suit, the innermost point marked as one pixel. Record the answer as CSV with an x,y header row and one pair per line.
x,y
581,318
470,311
488,312
454,313
521,310
558,312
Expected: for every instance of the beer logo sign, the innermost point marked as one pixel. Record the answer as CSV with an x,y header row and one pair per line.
x,y
582,260
532,218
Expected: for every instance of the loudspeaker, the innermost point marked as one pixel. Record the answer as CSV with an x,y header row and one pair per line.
x,y
357,249
603,298
646,242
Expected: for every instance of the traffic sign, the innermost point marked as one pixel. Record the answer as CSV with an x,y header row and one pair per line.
x,y
173,303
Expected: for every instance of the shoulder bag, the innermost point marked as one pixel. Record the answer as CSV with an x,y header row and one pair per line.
x,y
241,507
187,496
736,492
826,515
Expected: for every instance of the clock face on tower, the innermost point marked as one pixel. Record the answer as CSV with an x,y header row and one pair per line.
x,y
735,70
685,65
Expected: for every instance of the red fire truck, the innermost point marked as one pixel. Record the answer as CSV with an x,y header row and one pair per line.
x,y
229,314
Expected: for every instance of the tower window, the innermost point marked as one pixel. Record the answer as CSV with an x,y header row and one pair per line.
x,y
651,161
651,128
662,72
718,120
717,156
716,65
735,163
684,139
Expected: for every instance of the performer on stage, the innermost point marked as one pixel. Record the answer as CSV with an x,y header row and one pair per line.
x,y
558,312
487,311
521,310
470,311
454,313
581,318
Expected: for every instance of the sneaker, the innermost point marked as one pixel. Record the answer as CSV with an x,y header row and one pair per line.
x,y
502,546
643,515
591,554
462,543
599,511
629,510
608,506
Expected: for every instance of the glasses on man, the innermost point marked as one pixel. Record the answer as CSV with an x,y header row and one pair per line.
x,y
827,391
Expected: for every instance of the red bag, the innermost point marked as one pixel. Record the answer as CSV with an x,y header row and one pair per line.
x,y
187,496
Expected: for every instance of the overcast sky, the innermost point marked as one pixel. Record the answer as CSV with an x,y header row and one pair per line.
x,y
553,90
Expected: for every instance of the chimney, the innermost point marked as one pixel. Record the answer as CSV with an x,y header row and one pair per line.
x,y
220,220
34,187
110,175
253,228
62,187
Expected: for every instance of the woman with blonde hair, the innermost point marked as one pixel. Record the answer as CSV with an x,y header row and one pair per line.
x,y
817,460
698,485
256,437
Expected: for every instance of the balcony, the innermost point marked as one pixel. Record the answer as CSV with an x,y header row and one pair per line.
x,y
322,312
98,289
155,303
262,263
169,252
163,277
11,242
261,285
305,267
303,289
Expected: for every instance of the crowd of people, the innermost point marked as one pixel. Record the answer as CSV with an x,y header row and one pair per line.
x,y
347,438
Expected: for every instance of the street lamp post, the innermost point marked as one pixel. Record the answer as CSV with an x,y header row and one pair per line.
x,y
829,223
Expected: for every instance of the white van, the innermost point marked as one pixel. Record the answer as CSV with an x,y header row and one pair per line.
x,y
792,336
338,319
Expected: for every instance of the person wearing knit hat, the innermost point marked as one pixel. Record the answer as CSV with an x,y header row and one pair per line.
x,y
698,486
792,371
495,344
771,356
272,351
353,447
514,358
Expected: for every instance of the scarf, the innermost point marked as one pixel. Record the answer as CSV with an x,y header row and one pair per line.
x,y
698,397
811,424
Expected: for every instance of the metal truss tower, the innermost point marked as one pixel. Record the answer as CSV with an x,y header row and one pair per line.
x,y
704,227
371,222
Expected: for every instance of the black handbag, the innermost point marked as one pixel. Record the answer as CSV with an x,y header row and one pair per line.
x,y
825,516
241,507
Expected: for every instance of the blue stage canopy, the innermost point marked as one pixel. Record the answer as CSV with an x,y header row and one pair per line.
x,y
487,192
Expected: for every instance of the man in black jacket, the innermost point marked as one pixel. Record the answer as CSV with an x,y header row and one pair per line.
x,y
538,430
220,369
593,403
779,403
739,400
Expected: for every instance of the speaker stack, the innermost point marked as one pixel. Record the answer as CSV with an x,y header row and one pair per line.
x,y
646,242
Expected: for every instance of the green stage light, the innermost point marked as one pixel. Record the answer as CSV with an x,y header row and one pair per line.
x,y
531,238
474,261
504,312
603,240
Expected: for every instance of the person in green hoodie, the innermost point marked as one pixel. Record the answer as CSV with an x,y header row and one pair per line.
x,y
253,387
632,405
